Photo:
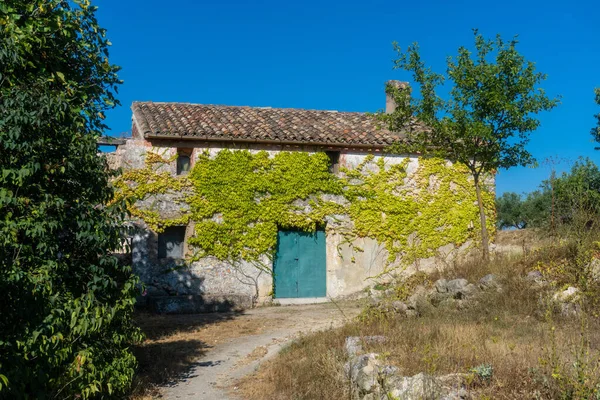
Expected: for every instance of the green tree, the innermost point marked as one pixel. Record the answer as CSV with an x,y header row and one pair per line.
x,y
509,207
570,200
486,118
596,129
536,208
577,194
65,301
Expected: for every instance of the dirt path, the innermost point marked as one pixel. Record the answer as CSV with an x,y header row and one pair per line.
x,y
264,332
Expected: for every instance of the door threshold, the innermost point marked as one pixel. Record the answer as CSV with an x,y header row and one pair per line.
x,y
300,300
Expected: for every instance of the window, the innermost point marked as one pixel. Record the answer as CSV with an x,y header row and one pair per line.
x,y
170,242
183,162
334,161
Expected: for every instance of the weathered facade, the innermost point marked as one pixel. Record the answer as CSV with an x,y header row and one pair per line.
x,y
334,258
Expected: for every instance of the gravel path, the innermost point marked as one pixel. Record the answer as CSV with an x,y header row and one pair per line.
x,y
213,375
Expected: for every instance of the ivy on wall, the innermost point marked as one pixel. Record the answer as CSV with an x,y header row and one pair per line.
x,y
240,199
237,200
414,215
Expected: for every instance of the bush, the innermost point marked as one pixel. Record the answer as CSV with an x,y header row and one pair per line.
x,y
66,302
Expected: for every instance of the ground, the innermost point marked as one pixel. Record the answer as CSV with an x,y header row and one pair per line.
x,y
202,356
512,339
511,343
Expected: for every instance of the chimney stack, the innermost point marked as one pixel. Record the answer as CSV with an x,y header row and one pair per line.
x,y
390,104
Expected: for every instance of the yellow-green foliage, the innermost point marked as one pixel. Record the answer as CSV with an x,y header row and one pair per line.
x,y
137,184
254,194
238,200
414,216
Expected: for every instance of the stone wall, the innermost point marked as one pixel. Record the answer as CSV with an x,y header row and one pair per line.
x,y
348,270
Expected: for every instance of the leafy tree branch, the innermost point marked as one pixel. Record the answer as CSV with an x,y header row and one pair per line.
x,y
483,122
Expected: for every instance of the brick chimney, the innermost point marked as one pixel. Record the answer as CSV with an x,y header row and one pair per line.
x,y
390,104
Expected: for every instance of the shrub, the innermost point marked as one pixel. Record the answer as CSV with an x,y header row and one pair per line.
x,y
65,300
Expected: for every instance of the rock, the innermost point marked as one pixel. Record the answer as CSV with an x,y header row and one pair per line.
x,y
450,302
594,269
468,291
570,295
353,346
490,281
418,298
456,285
399,306
536,278
439,298
568,301
461,288
388,370
441,285
420,386
375,294
372,380
375,297
364,374
456,394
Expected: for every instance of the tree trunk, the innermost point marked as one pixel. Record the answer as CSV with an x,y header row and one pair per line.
x,y
485,245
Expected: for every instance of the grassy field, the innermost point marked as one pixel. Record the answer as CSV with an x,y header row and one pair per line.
x,y
535,352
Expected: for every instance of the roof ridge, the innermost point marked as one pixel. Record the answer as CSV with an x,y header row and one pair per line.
x,y
244,107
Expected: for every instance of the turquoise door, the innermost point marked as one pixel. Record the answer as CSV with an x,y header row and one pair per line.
x,y
299,265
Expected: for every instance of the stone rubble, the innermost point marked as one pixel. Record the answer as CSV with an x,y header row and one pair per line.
x,y
456,293
371,379
460,293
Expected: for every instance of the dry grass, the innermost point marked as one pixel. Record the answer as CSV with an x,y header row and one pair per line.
x,y
534,353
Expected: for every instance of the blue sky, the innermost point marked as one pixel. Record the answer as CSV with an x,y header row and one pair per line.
x,y
336,55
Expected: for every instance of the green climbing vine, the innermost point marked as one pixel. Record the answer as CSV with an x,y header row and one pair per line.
x,y
240,199
237,200
154,179
414,215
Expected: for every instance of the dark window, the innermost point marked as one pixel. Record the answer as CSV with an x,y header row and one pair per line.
x,y
334,161
170,242
183,164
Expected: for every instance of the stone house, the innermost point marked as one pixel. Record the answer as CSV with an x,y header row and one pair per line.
x,y
303,265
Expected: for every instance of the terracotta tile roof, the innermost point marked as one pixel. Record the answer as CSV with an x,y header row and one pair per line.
x,y
279,125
